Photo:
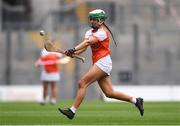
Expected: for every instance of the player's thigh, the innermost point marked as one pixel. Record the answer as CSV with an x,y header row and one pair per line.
x,y
93,74
45,84
105,84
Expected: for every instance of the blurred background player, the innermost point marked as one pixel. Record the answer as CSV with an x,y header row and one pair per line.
x,y
98,39
50,73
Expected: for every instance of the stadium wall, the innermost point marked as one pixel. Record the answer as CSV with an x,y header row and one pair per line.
x,y
21,93
149,93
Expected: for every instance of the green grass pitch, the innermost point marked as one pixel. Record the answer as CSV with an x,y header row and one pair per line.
x,y
90,113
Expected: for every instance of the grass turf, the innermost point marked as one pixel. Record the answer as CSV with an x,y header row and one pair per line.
x,y
90,113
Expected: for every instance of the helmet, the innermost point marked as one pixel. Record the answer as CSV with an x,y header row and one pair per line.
x,y
98,14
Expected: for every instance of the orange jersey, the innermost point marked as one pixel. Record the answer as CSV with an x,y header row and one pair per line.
x,y
51,67
101,48
50,57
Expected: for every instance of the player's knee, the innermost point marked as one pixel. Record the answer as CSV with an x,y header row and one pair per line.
x,y
81,83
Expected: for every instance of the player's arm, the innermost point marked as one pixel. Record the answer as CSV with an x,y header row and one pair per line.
x,y
63,60
82,46
80,51
37,63
87,42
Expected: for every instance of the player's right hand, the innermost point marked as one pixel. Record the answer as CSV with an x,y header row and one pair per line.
x,y
70,52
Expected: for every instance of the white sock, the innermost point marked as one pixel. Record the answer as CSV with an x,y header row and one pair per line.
x,y
53,101
73,109
46,100
133,100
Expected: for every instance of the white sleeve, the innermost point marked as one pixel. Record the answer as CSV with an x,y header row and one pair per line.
x,y
43,52
88,34
101,35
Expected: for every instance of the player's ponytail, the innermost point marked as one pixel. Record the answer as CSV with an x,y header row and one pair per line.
x,y
110,33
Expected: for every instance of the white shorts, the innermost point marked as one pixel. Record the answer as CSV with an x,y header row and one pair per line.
x,y
105,64
49,76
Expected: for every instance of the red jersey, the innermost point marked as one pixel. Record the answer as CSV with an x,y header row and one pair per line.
x,y
51,58
50,68
101,48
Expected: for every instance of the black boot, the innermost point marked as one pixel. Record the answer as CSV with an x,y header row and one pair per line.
x,y
139,105
67,112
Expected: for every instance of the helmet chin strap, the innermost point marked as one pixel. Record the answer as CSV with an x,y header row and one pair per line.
x,y
94,27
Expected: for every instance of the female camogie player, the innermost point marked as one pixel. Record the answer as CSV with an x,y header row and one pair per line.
x,y
98,39
50,74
